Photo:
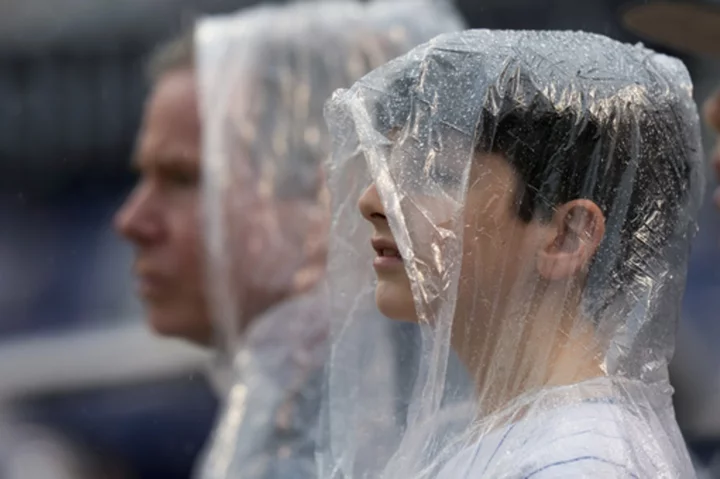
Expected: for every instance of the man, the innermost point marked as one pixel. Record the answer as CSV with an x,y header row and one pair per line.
x,y
692,28
711,112
229,218
531,201
161,217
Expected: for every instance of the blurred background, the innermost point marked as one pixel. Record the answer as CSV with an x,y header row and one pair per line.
x,y
85,389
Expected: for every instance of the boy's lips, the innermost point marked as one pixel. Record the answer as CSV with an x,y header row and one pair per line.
x,y
388,255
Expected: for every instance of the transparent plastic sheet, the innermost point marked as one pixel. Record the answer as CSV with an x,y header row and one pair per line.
x,y
264,75
528,199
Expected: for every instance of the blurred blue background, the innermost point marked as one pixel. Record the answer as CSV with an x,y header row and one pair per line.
x,y
78,369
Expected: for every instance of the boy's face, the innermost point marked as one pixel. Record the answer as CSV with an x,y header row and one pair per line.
x,y
497,245
503,257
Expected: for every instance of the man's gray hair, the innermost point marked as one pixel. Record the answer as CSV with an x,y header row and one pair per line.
x,y
175,54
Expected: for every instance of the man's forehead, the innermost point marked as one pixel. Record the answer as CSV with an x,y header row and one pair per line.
x,y
171,126
172,109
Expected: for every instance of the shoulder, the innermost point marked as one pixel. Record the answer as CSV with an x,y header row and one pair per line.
x,y
592,439
595,440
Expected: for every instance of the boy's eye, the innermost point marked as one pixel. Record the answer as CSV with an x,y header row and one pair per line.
x,y
444,176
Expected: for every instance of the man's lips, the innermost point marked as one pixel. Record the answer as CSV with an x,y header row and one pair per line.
x,y
151,284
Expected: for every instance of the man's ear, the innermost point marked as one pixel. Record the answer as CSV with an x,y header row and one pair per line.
x,y
572,238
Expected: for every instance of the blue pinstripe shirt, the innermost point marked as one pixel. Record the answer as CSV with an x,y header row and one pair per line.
x,y
598,439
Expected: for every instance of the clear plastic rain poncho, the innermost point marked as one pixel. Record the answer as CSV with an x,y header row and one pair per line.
x,y
528,199
264,75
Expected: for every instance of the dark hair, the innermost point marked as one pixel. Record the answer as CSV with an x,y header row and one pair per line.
x,y
630,158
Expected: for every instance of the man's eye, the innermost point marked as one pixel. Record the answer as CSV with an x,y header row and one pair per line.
x,y
184,179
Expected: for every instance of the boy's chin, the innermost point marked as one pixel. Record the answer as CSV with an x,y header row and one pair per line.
x,y
395,301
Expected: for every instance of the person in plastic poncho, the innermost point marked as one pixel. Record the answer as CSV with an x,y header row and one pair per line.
x,y
690,27
531,202
712,117
229,219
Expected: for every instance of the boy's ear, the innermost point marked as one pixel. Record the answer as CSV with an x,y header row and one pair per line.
x,y
572,238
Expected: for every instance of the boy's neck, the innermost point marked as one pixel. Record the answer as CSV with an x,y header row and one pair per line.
x,y
551,347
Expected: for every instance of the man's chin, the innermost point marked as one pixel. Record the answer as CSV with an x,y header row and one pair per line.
x,y
167,324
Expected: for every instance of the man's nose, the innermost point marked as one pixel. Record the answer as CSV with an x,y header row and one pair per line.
x,y
137,221
371,206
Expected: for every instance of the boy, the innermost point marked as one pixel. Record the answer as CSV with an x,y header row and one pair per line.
x,y
531,203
